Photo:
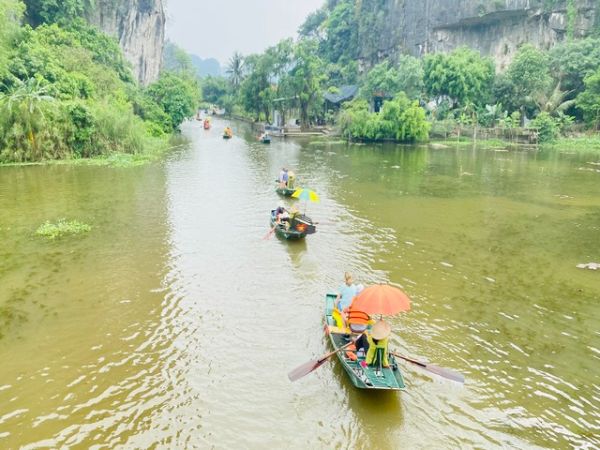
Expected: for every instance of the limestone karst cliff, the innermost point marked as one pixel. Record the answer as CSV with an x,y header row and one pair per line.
x,y
139,25
494,27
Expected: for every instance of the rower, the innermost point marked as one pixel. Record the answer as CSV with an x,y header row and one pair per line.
x,y
377,355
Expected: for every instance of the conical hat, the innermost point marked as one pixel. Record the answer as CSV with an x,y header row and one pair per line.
x,y
381,330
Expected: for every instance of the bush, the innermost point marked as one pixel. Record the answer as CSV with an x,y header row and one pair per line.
x,y
547,126
399,119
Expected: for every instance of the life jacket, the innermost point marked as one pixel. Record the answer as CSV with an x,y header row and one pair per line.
x,y
357,320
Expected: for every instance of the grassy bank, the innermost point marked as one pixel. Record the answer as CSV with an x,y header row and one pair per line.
x,y
153,152
582,144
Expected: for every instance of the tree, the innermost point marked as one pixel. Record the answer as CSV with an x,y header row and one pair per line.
x,y
589,100
25,107
410,76
341,43
214,89
312,26
235,70
528,76
462,76
400,119
54,11
255,89
306,78
571,62
11,12
176,96
381,79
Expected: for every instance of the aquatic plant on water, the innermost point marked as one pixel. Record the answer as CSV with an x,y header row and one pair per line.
x,y
62,228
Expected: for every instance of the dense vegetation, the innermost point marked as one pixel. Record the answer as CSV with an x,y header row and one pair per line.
x,y
554,91
66,90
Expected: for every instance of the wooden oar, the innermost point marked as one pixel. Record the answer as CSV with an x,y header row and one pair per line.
x,y
268,235
314,364
446,373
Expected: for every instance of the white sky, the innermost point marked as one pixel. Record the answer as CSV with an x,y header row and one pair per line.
x,y
217,28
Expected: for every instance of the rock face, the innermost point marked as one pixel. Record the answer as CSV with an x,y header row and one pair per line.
x,y
139,25
494,27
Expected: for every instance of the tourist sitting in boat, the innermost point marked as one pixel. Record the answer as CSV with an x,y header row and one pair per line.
x,y
282,215
346,292
283,178
377,354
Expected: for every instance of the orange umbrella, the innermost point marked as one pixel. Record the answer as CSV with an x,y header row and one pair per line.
x,y
381,299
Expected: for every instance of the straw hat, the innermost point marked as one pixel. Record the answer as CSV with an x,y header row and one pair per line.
x,y
381,330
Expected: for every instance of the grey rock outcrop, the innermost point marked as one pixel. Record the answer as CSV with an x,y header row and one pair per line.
x,y
139,25
494,27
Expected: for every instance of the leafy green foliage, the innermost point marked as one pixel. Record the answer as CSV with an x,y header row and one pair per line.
x,y
387,80
463,76
62,228
54,11
589,100
177,97
400,119
342,37
547,126
67,92
528,75
235,70
25,112
214,89
306,79
11,12
572,61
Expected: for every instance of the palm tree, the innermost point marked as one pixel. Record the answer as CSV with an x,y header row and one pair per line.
x,y
235,69
25,105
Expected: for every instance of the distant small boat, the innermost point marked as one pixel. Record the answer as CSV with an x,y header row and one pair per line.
x,y
265,139
206,124
228,133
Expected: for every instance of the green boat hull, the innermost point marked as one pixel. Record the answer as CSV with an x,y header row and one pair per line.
x,y
369,378
285,191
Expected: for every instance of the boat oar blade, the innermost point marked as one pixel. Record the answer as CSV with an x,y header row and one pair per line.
x,y
314,364
446,373
305,369
441,371
269,234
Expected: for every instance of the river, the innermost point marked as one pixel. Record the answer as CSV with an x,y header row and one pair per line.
x,y
173,323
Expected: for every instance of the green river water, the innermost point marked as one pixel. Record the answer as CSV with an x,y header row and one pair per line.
x,y
173,323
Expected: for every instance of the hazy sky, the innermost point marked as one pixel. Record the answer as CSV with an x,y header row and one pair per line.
x,y
217,28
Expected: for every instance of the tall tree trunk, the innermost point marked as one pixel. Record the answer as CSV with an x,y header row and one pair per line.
x,y
304,116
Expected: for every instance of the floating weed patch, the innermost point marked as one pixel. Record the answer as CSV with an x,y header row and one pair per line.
x,y
62,228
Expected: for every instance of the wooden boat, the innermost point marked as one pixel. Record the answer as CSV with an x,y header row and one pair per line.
x,y
388,378
299,226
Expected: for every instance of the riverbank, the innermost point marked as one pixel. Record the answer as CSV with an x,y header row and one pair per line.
x,y
118,159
